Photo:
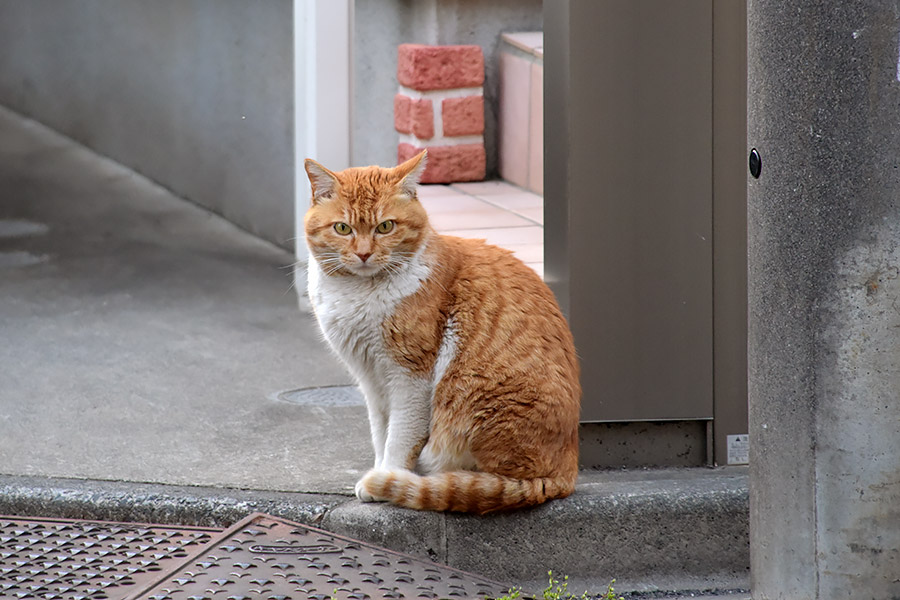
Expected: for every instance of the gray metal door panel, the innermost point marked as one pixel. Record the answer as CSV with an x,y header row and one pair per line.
x,y
628,192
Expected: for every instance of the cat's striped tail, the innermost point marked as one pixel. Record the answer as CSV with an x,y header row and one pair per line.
x,y
463,491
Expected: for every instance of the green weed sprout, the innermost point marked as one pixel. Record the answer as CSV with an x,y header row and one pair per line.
x,y
557,590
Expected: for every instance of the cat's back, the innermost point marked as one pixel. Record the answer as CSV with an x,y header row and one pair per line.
x,y
488,274
514,381
505,311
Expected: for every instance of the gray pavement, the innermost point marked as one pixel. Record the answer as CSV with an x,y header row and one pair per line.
x,y
144,343
145,339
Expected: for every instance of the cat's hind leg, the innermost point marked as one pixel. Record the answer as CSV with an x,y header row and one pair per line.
x,y
441,455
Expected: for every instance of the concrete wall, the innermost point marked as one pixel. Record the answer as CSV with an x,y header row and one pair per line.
x,y
824,283
380,25
195,94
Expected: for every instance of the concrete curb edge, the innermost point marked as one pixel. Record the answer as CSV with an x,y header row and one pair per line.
x,y
651,534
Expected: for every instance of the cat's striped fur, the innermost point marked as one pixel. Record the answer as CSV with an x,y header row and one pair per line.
x,y
467,364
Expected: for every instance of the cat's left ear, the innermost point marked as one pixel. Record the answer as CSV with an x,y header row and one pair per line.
x,y
410,172
324,183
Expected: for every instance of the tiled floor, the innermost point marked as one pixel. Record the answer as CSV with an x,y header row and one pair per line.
x,y
496,211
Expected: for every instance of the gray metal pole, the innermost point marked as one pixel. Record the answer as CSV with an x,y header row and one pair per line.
x,y
824,298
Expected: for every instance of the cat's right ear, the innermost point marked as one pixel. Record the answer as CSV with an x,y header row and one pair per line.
x,y
410,172
324,183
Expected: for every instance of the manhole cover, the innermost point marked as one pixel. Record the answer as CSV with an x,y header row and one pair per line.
x,y
333,395
84,560
268,557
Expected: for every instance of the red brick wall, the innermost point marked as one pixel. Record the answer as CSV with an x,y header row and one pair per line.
x,y
440,107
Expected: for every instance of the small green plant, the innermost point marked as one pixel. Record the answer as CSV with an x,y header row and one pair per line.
x,y
561,591
611,592
513,594
557,590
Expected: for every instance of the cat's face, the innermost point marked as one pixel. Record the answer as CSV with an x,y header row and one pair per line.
x,y
365,221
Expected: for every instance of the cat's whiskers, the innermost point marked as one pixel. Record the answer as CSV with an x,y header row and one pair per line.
x,y
396,265
328,256
334,269
290,287
293,273
392,268
330,262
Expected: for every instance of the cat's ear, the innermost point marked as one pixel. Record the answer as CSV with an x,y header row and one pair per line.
x,y
410,172
324,183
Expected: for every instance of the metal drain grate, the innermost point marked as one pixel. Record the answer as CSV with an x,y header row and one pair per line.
x,y
86,560
264,557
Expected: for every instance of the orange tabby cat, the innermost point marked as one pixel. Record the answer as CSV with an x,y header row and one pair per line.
x,y
467,364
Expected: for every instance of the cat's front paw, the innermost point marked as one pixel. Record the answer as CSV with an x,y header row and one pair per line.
x,y
362,494
361,489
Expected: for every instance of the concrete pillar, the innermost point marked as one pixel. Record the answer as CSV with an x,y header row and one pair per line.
x,y
824,298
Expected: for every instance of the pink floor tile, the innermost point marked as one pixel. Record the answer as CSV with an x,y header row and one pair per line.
x,y
503,236
516,200
538,268
489,218
527,253
486,188
501,213
533,214
436,190
453,203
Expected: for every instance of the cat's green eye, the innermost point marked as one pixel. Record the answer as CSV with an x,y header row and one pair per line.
x,y
385,227
342,228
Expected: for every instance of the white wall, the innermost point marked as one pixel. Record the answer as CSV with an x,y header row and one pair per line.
x,y
195,94
321,94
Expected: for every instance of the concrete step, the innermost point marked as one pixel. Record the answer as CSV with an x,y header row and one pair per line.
x,y
650,530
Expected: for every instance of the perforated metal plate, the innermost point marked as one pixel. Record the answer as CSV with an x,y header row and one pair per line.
x,y
85,560
264,557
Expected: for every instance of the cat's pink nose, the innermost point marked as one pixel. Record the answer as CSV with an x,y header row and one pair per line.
x,y
363,256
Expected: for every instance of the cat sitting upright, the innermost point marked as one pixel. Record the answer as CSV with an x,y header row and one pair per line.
x,y
466,362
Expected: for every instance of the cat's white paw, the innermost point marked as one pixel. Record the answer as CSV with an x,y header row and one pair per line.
x,y
362,494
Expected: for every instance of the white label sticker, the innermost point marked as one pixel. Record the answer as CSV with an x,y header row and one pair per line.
x,y
738,449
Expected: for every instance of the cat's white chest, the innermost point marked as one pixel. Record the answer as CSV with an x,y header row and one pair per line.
x,y
351,310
